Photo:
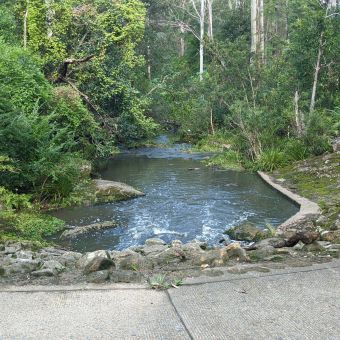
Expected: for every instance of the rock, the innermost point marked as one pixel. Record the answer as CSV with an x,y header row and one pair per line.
x,y
53,265
234,250
154,242
299,246
198,243
24,266
306,237
85,259
284,251
152,250
246,232
169,256
273,242
331,236
214,257
24,254
98,263
313,247
95,261
225,240
12,248
2,271
128,259
113,191
44,272
69,258
175,243
302,225
98,277
74,232
262,252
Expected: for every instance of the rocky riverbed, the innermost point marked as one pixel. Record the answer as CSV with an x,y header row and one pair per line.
x,y
20,264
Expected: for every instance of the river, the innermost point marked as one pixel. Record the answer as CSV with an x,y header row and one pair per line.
x,y
184,200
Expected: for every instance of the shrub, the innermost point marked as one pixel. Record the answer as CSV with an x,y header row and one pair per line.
x,y
295,150
28,226
271,160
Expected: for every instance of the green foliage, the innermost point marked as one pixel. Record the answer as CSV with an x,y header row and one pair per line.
x,y
229,160
252,101
28,226
10,200
158,282
271,159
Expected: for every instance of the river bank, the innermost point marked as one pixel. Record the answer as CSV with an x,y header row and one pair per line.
x,y
311,238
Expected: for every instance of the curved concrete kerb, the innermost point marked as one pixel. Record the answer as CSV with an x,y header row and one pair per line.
x,y
308,208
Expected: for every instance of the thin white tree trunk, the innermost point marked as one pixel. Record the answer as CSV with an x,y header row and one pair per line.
x,y
299,119
202,19
316,74
261,29
182,42
254,32
212,122
210,20
49,17
25,25
149,62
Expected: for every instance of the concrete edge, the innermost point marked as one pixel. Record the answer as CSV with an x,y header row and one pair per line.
x,y
307,207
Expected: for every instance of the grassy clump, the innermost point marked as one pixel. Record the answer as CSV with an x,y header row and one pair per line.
x,y
28,226
227,160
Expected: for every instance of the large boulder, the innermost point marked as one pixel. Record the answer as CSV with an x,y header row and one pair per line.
x,y
55,266
234,250
23,266
95,261
246,232
69,259
128,260
106,191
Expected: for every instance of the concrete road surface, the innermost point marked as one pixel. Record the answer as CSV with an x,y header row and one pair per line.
x,y
295,303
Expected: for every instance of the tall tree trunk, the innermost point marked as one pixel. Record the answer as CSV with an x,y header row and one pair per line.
x,y
254,32
261,30
210,20
202,19
230,3
182,42
257,30
299,119
316,74
149,62
212,122
49,17
25,24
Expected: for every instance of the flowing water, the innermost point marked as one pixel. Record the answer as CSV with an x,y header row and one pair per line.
x,y
184,200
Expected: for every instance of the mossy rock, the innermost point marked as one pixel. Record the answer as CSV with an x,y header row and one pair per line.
x,y
246,232
109,191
